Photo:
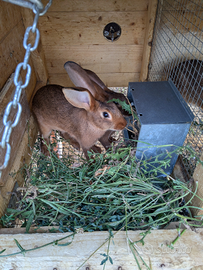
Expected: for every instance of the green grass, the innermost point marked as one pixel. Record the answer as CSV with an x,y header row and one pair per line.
x,y
111,191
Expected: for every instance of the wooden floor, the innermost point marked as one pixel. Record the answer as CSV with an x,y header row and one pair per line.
x,y
86,248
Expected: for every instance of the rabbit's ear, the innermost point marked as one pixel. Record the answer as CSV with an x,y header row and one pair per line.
x,y
79,99
79,76
95,78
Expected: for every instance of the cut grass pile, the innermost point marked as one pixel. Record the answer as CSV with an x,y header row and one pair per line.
x,y
110,191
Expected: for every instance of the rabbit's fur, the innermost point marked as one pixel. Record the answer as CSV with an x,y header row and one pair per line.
x,y
78,76
99,90
188,78
76,114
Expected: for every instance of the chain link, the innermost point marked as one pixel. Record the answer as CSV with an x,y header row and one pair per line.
x,y
27,4
45,9
37,7
27,32
34,5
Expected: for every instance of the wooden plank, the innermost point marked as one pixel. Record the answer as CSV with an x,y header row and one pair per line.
x,y
198,183
9,17
21,230
11,52
7,92
187,252
110,79
23,154
6,95
198,173
119,79
32,84
37,55
48,229
151,16
180,172
99,58
74,31
17,131
89,5
198,267
62,29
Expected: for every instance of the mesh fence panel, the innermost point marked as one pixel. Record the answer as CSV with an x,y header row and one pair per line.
x,y
177,53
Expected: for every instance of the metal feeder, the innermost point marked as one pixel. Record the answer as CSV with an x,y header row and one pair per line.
x,y
164,119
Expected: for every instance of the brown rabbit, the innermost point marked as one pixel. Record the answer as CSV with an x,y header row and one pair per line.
x,y
188,78
100,91
78,76
76,114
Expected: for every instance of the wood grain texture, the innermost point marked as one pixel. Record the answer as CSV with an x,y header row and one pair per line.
x,y
22,157
110,79
198,184
11,48
73,30
37,56
11,52
106,5
187,252
9,17
62,29
47,229
17,131
11,43
6,95
99,58
197,268
148,39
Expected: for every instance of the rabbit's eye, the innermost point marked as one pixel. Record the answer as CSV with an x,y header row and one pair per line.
x,y
115,102
105,114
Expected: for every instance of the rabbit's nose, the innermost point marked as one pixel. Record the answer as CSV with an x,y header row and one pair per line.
x,y
121,125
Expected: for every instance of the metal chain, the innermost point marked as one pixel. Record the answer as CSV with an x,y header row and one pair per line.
x,y
37,7
32,4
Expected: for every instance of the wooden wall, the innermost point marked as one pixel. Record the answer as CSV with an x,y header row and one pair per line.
x,y
73,30
12,52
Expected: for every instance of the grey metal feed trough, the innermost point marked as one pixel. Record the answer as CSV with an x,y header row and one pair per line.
x,y
164,120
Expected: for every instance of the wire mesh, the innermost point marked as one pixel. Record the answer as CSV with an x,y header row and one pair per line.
x,y
177,53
